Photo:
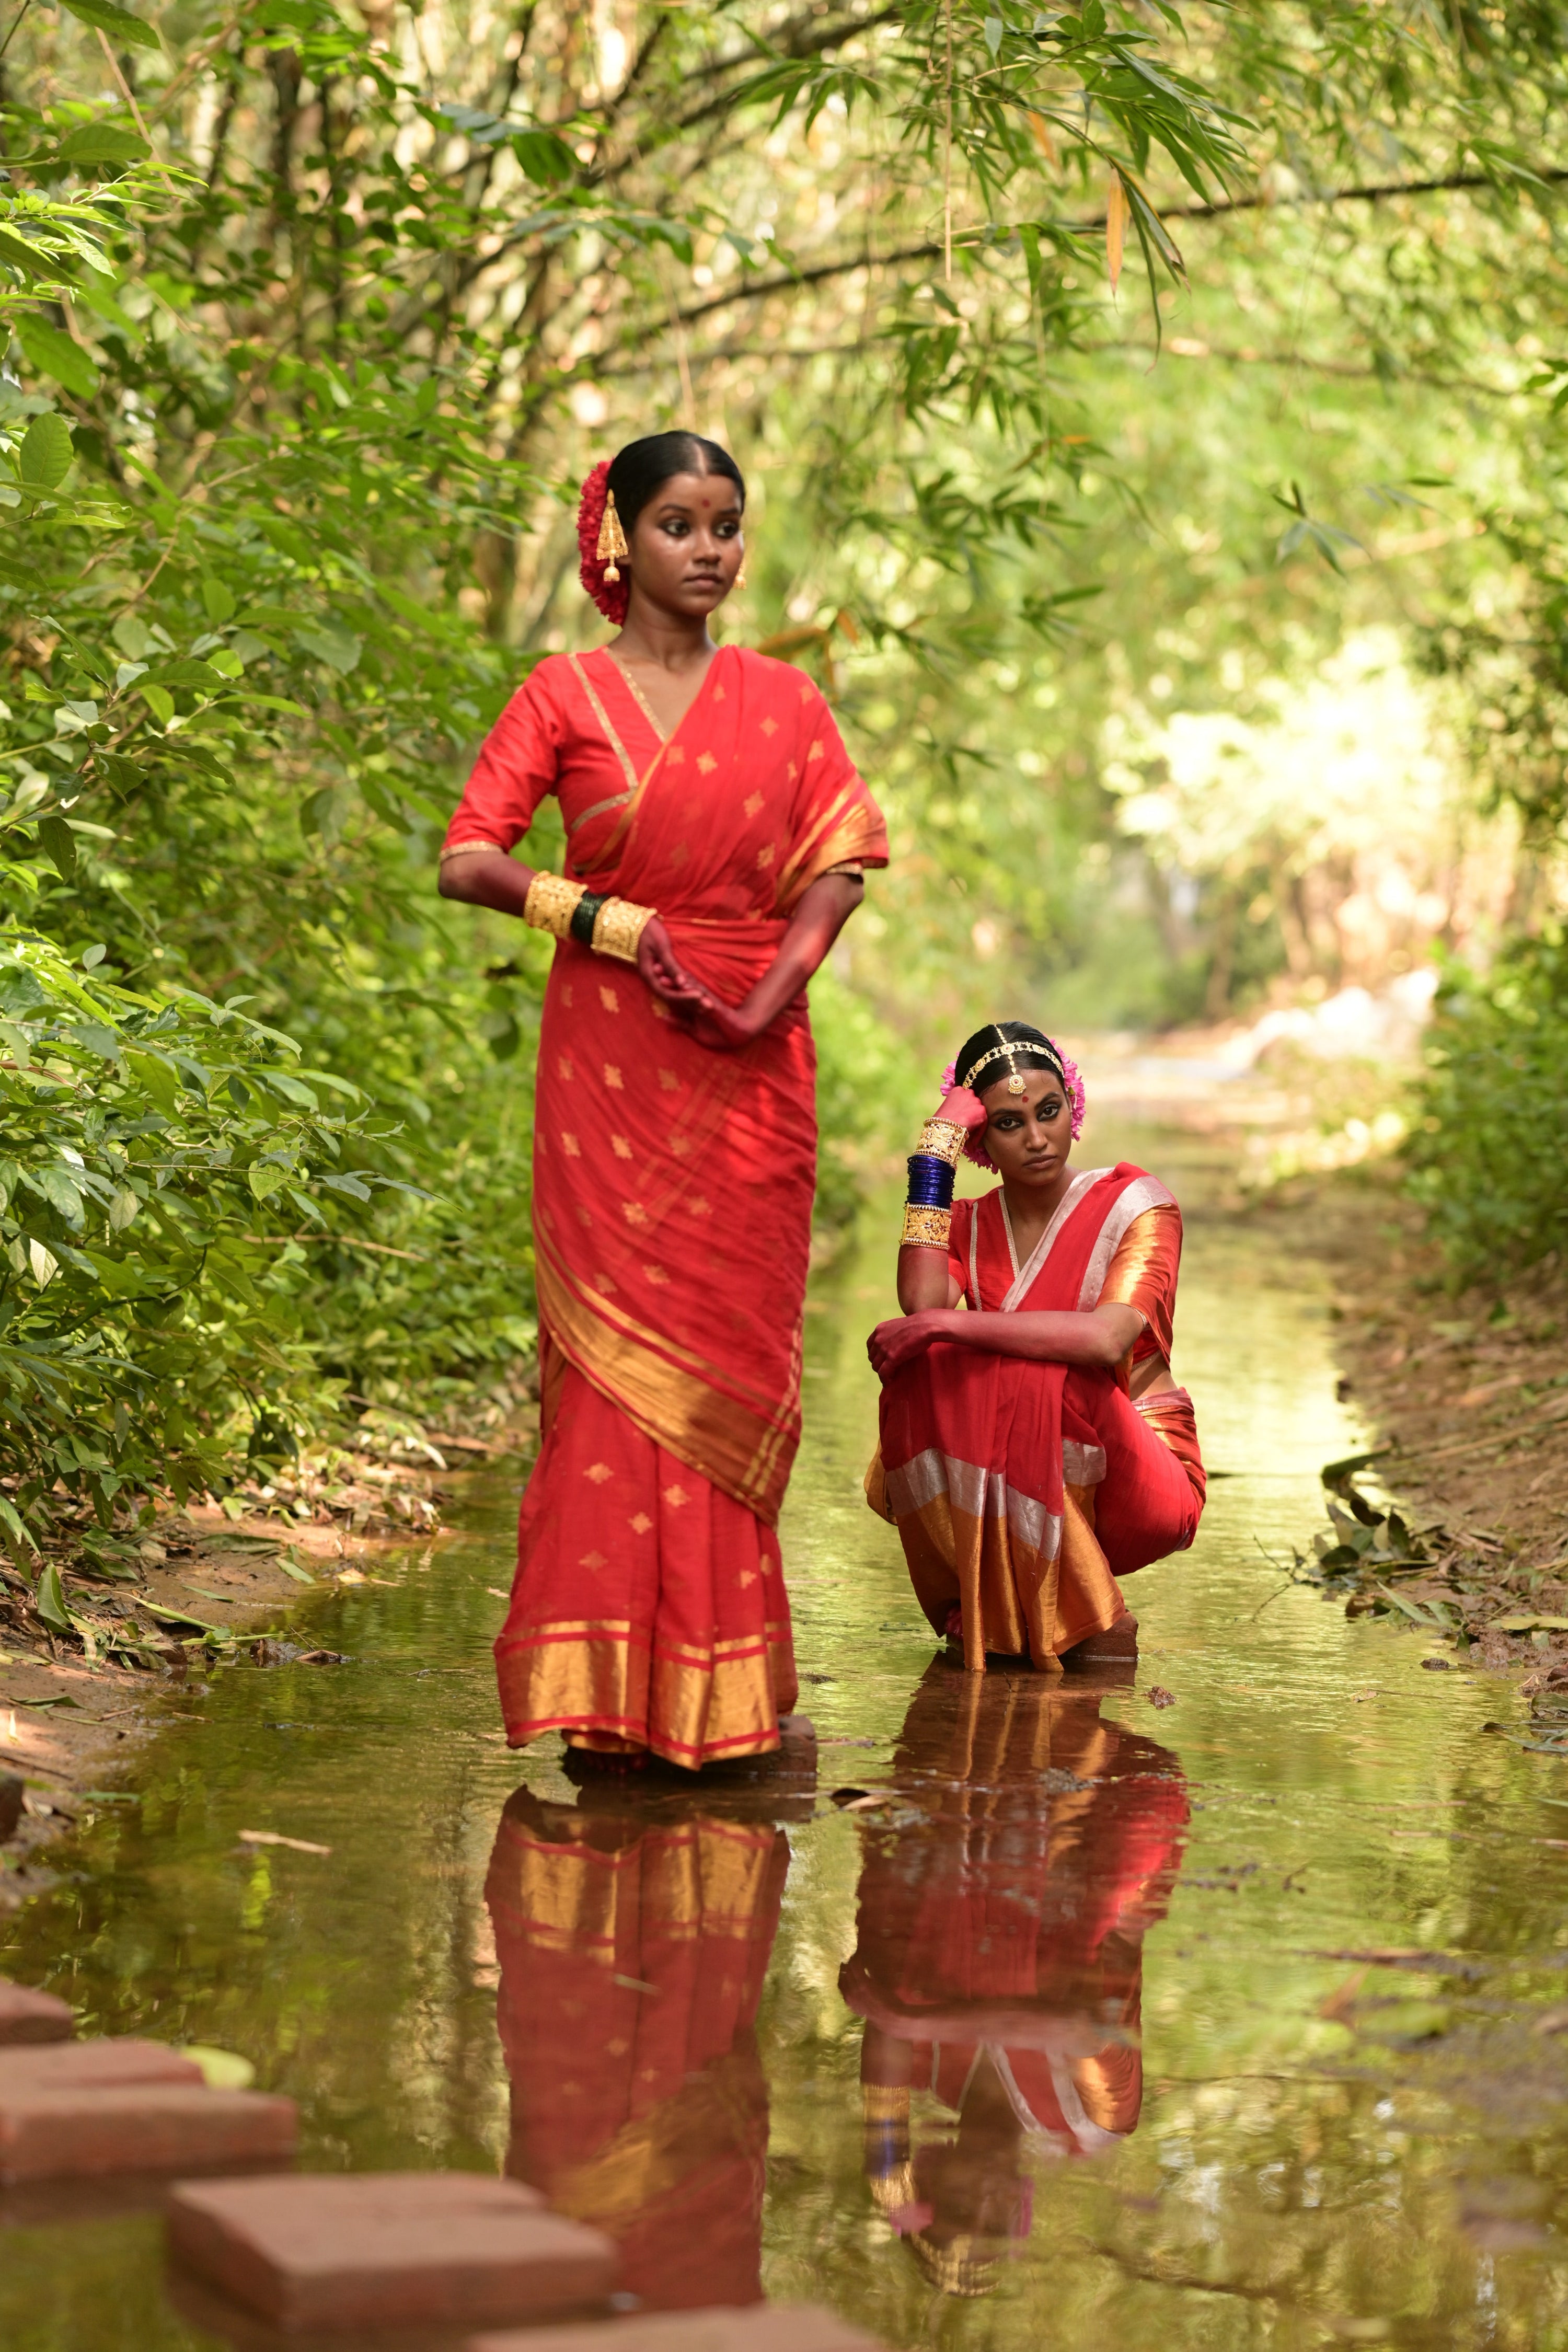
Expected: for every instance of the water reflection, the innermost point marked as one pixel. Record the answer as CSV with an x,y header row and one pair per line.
x,y
1004,1900
632,1957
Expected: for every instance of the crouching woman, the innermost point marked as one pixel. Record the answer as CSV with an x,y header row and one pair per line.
x,y
1034,1447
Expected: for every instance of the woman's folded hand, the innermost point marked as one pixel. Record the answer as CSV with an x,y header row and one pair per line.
x,y
894,1344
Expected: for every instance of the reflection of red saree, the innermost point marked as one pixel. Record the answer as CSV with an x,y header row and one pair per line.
x,y
999,1958
1022,1490
632,1962
672,1206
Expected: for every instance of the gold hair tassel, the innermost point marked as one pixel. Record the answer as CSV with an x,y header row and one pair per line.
x,y
612,538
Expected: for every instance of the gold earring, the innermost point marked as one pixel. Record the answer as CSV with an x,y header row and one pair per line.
x,y
740,576
612,538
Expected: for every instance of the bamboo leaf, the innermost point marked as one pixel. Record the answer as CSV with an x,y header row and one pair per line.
x,y
1116,213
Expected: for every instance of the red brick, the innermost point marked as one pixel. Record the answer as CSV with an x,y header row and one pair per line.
x,y
28,2017
142,2127
391,2249
102,2065
759,2327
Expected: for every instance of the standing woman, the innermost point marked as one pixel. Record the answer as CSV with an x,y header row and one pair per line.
x,y
716,833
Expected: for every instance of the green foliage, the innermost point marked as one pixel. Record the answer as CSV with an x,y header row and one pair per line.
x,y
310,339
1488,1150
143,1137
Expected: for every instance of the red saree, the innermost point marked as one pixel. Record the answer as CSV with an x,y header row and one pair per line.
x,y
1024,1490
632,1961
671,1205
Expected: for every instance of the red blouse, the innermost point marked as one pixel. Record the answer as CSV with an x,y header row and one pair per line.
x,y
581,729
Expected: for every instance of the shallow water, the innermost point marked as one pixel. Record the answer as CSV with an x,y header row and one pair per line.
x,y
1213,2024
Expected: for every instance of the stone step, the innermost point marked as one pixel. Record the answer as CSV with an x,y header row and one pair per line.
x,y
329,2251
756,2327
28,2016
159,2127
111,2063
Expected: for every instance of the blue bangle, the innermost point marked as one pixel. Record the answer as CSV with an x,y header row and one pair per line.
x,y
931,1181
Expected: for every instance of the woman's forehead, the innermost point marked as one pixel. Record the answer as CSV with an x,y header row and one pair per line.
x,y
700,493
1037,1085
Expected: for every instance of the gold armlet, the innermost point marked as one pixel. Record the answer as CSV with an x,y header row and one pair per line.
x,y
618,926
551,903
942,1138
926,1228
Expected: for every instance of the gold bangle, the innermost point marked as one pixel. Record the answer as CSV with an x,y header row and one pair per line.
x,y
942,1138
618,926
551,903
926,1228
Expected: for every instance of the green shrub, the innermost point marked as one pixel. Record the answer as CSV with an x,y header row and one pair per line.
x,y
1488,1150
148,1332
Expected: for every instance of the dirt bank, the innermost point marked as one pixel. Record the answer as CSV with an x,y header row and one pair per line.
x,y
82,1666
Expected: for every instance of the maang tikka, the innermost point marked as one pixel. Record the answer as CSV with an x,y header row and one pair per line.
x,y
612,538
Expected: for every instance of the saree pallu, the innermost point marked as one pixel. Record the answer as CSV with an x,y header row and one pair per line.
x,y
673,1189
632,1962
1023,1490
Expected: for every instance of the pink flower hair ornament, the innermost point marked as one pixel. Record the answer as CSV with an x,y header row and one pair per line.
x,y
1071,1077
611,597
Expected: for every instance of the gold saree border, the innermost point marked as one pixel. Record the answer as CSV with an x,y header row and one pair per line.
x,y
856,833
747,1453
1015,1600
608,1677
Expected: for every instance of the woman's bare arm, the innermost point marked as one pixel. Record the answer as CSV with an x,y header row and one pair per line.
x,y
490,878
822,911
926,1280
1098,1339
486,877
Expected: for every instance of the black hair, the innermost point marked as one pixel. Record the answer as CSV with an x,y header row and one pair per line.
x,y
1003,1048
638,471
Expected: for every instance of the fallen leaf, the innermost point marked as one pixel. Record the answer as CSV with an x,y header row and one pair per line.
x,y
222,2070
272,1837
1337,2006
1485,1390
1160,1697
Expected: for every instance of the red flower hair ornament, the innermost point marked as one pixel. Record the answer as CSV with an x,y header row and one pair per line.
x,y
601,542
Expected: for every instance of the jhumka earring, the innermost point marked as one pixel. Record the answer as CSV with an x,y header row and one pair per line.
x,y
612,538
740,576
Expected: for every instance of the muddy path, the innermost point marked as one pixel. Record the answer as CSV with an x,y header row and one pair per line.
x,y
1223,2006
